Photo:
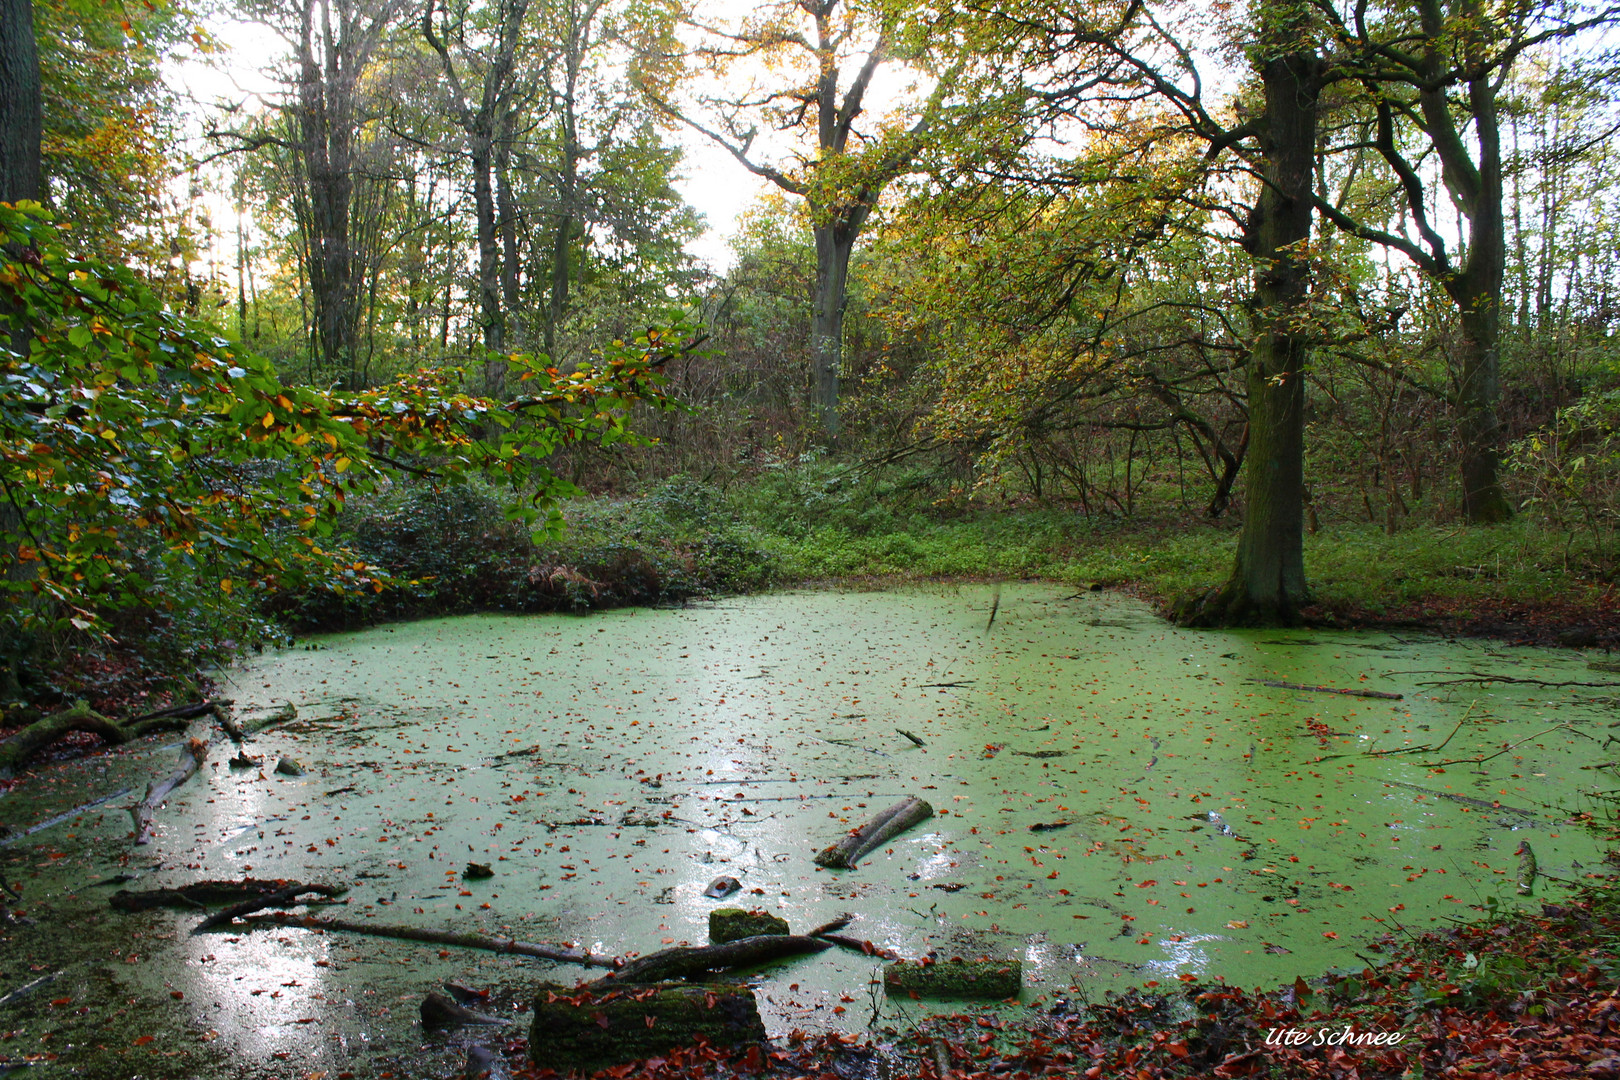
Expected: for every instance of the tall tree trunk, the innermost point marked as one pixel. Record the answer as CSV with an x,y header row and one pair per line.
x,y
489,267
506,207
835,243
1477,291
21,108
1267,585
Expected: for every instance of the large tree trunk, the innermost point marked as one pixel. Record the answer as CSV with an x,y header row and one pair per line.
x,y
489,266
1477,291
1267,585
21,109
506,207
1483,500
333,48
835,242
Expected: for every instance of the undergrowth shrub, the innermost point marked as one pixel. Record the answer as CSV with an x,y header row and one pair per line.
x,y
452,550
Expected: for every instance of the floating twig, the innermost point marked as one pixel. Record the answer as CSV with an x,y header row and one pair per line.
x,y
1488,757
1426,746
1380,694
1487,677
30,987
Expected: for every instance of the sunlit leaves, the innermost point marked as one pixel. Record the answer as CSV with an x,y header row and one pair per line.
x,y
135,443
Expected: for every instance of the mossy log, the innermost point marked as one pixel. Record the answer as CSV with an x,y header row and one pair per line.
x,y
733,924
994,979
593,1028
81,717
685,961
881,829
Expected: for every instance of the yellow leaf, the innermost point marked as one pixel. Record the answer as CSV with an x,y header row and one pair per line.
x,y
341,464
225,584
269,420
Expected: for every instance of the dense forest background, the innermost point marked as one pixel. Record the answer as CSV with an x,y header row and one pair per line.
x,y
1319,300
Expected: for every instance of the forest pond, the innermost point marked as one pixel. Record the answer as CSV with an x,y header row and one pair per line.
x,y
1119,802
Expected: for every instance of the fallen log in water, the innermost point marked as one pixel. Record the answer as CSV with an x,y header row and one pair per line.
x,y
1333,690
279,898
199,894
994,979
596,1027
80,717
686,960
195,753
887,825
284,715
431,937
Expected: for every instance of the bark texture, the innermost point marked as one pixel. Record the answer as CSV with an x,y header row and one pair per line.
x,y
21,107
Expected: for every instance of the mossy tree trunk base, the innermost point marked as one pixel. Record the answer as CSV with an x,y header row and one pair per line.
x,y
1232,605
594,1028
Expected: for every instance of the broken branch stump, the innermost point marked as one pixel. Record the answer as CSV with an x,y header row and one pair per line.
x,y
886,826
594,1027
195,752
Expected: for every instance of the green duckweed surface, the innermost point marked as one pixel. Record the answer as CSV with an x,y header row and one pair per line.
x,y
1119,802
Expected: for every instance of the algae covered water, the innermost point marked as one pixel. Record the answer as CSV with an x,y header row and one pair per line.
x,y
1118,803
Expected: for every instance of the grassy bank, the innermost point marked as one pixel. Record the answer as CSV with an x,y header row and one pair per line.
x,y
452,551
